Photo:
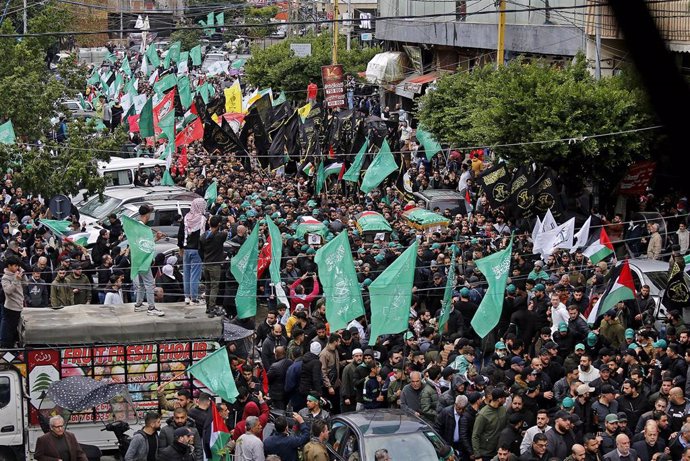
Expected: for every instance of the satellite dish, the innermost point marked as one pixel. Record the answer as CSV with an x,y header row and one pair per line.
x,y
60,206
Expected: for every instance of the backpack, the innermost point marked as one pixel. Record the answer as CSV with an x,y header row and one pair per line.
x,y
292,376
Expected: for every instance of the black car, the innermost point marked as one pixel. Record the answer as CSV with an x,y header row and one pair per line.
x,y
357,436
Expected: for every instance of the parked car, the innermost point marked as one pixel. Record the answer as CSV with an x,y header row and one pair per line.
x,y
443,199
406,437
655,274
166,217
76,109
95,210
211,58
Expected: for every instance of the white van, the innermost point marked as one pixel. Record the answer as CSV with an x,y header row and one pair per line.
x,y
122,171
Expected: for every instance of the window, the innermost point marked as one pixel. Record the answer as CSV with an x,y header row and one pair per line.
x,y
335,438
167,217
118,178
5,391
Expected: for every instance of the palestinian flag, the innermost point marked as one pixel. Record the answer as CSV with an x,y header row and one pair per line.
x,y
308,169
335,168
220,435
620,288
598,248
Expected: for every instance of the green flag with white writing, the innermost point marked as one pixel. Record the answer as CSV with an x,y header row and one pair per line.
x,y
58,227
276,250
243,267
214,372
320,179
152,55
173,54
167,126
341,288
211,193
447,303
195,54
167,179
146,120
427,140
141,245
184,90
165,83
382,165
391,295
496,268
7,133
352,173
125,67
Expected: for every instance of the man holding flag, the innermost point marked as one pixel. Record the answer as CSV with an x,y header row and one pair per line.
x,y
142,246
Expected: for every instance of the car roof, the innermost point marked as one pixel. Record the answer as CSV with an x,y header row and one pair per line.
x,y
383,422
435,193
135,191
119,162
160,203
648,265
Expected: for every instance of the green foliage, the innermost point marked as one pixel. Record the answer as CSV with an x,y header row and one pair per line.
x,y
53,17
278,68
189,38
260,16
73,74
531,101
65,168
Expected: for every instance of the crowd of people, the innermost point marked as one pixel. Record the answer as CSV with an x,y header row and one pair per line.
x,y
543,385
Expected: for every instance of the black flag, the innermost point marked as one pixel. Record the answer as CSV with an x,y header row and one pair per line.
x,y
495,183
253,125
241,150
677,294
217,140
545,192
521,196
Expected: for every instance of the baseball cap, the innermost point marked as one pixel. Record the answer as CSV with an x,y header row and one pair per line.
x,y
612,418
517,361
539,263
629,333
661,344
181,432
473,397
562,326
500,345
607,389
369,352
539,287
515,418
582,389
464,292
510,289
610,313
580,346
568,402
560,414
498,393
551,345
622,416
591,338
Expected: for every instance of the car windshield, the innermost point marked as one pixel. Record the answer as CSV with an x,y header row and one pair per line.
x,y
660,278
415,446
99,210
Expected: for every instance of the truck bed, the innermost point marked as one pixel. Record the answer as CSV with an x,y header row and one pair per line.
x,y
108,324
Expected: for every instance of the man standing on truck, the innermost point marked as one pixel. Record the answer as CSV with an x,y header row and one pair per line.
x,y
58,444
13,288
144,444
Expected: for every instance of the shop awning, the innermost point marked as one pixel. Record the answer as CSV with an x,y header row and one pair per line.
x,y
387,67
413,84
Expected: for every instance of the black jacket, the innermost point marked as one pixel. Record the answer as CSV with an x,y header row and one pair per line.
x,y
193,239
176,452
310,377
445,424
212,246
276,379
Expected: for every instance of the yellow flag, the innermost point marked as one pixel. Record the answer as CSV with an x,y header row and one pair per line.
x,y
215,118
304,111
233,98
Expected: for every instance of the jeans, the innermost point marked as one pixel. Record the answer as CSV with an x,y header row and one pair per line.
x,y
9,327
191,272
350,99
144,284
212,277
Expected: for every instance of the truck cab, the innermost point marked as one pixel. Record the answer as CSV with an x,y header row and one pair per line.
x,y
105,343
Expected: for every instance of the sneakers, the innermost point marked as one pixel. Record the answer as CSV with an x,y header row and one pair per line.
x,y
187,300
196,302
155,312
139,307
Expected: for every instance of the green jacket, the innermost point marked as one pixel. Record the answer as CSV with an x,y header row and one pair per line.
x,y
61,293
393,388
83,296
487,427
428,400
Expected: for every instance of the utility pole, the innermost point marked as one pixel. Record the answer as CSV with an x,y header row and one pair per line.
x,y
122,22
349,23
501,42
25,16
335,32
597,44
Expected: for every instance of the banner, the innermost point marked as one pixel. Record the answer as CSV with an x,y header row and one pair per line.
x,y
636,180
333,86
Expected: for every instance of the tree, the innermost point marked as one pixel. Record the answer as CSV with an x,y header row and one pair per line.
x,y
260,16
278,68
524,102
188,38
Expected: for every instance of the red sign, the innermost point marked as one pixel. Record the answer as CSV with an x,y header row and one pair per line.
x,y
637,179
333,86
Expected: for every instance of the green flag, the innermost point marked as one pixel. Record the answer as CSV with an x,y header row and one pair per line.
x,y
152,55
167,180
146,120
215,373
220,19
167,126
59,228
7,133
211,193
320,179
210,19
276,250
391,295
203,92
125,67
496,268
95,78
447,303
339,280
279,100
165,83
195,53
237,63
184,90
382,165
352,173
243,267
141,245
173,54
110,57
427,140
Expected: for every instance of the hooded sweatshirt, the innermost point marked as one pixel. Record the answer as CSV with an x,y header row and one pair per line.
x,y
251,409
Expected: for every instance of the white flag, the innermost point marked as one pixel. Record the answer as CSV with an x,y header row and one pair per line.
x,y
535,232
558,237
580,239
